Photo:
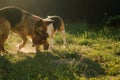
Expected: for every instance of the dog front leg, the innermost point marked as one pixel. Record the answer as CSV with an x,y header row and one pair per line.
x,y
2,48
24,38
3,38
51,43
37,48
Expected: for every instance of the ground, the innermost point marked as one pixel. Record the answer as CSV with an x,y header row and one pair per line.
x,y
92,53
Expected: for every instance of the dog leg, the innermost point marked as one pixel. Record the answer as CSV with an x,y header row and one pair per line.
x,y
62,32
24,38
3,38
37,48
51,39
2,48
50,31
51,42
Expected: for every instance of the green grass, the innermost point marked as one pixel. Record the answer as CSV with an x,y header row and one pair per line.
x,y
91,54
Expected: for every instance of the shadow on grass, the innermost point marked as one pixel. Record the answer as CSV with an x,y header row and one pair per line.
x,y
89,68
44,66
81,66
5,68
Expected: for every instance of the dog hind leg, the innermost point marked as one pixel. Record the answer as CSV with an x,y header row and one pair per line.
x,y
3,38
4,32
62,32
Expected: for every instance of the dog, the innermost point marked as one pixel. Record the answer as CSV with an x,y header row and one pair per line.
x,y
40,39
24,23
56,25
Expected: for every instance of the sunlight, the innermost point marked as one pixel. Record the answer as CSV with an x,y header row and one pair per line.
x,y
28,49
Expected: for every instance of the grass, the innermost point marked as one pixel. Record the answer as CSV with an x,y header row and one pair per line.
x,y
91,54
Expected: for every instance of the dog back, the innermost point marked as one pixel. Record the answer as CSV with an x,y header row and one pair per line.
x,y
57,22
12,14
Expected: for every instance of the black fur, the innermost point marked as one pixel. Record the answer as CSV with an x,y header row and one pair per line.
x,y
12,14
56,22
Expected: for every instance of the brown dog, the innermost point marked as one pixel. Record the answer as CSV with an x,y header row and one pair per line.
x,y
21,22
40,39
56,25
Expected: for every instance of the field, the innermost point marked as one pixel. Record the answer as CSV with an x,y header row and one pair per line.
x,y
92,53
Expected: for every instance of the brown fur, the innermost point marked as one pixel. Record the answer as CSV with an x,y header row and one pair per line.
x,y
56,25
4,32
28,25
40,40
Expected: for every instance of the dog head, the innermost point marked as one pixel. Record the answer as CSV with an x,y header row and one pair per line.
x,y
41,34
40,39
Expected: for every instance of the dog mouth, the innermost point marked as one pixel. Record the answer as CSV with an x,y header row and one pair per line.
x,y
40,39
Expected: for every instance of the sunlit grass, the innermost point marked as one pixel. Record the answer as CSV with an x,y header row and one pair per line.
x,y
90,54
